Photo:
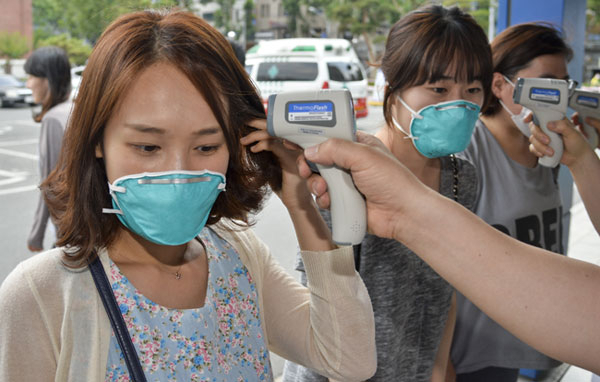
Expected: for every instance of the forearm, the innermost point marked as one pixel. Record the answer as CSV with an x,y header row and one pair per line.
x,y
586,174
542,298
328,327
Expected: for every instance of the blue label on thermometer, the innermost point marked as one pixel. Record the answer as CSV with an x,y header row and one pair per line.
x,y
587,101
310,111
545,95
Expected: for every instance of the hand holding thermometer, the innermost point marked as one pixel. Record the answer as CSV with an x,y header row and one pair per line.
x,y
308,118
587,104
547,98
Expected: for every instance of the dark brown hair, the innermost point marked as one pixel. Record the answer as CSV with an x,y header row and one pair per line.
x,y
423,44
51,63
77,190
515,48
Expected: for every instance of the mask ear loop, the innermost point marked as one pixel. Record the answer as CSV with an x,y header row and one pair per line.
x,y
111,190
508,80
506,108
502,103
414,115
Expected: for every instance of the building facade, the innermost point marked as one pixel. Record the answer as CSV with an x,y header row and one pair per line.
x,y
17,16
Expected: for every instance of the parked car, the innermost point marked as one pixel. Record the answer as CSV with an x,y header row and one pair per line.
x,y
13,91
306,64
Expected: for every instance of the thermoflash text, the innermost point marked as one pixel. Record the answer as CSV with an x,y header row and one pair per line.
x,y
308,118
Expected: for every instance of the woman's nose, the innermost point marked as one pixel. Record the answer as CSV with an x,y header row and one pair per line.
x,y
180,161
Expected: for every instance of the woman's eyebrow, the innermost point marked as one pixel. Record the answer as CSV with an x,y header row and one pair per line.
x,y
149,129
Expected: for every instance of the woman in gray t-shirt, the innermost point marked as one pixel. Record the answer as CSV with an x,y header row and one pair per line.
x,y
516,195
438,67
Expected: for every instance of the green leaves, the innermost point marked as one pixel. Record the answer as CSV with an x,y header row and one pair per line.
x,y
77,50
13,45
85,19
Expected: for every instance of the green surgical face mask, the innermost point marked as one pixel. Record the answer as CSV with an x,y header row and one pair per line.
x,y
441,129
168,208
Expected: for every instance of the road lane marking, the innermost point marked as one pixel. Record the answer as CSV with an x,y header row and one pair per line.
x,y
5,129
19,154
13,177
18,189
13,173
20,142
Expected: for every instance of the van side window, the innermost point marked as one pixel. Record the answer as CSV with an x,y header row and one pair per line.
x,y
344,71
287,71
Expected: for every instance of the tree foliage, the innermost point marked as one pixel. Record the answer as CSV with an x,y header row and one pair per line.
x,y
294,14
479,9
85,19
249,20
593,17
12,45
223,15
77,50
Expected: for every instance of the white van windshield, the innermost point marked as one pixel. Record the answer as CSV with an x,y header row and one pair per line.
x,y
287,71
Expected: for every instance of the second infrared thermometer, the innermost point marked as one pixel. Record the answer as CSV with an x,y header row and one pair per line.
x,y
308,118
547,98
587,104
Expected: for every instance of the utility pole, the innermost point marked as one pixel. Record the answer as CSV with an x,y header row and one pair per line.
x,y
492,20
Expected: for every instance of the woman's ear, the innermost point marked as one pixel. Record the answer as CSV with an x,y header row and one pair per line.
x,y
499,84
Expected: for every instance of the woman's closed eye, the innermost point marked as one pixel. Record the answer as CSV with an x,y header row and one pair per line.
x,y
146,149
207,149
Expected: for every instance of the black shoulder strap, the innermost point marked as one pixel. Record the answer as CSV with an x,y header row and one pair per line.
x,y
116,321
356,249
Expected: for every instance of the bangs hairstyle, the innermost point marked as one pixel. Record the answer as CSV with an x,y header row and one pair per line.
x,y
515,48
427,44
77,190
51,63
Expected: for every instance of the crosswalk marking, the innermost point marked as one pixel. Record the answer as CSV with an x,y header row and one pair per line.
x,y
19,189
20,142
19,154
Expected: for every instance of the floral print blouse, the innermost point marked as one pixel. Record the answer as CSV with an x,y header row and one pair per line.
x,y
221,341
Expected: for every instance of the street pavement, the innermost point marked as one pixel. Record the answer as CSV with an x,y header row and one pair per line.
x,y
19,194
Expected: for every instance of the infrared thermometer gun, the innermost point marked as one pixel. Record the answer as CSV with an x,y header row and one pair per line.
x,y
308,118
548,99
587,104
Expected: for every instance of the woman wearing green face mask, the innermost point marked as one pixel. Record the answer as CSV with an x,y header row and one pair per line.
x,y
437,64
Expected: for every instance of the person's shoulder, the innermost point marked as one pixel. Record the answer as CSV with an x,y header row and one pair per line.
x,y
59,113
240,235
227,229
39,272
479,144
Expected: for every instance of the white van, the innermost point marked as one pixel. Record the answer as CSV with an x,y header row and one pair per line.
x,y
305,64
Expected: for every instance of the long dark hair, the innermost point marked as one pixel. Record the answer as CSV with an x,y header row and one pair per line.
x,y
77,189
52,63
422,44
515,48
